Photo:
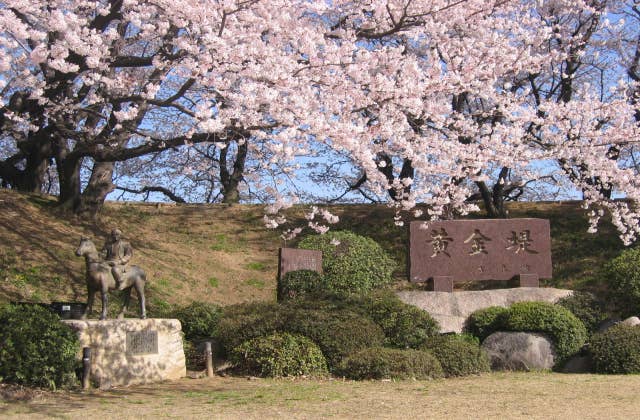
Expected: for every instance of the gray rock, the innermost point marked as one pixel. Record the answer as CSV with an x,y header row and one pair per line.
x,y
631,321
519,351
451,310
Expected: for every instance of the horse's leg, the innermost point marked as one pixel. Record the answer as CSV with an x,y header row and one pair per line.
x,y
126,294
105,302
139,285
91,295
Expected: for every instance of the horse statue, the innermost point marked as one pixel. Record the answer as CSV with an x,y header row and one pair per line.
x,y
100,278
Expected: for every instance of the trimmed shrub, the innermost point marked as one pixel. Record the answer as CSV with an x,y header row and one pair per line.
x,y
622,275
386,363
280,354
586,308
356,265
338,333
616,350
36,349
568,332
404,326
198,319
299,284
458,355
243,322
483,322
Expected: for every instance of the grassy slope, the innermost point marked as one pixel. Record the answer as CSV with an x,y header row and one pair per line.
x,y
223,254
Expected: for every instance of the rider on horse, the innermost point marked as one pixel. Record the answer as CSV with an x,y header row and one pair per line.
x,y
117,254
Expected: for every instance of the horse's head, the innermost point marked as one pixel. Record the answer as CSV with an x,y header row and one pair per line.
x,y
85,247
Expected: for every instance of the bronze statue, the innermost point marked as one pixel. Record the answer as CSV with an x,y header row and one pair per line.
x,y
100,277
117,253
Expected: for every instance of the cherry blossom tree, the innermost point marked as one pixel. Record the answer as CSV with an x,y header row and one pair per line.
x,y
108,81
467,90
430,101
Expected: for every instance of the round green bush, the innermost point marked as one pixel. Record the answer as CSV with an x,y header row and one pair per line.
x,y
245,321
622,275
458,355
484,322
386,363
616,350
355,265
565,329
338,333
198,319
280,354
299,284
36,349
586,308
404,326
568,332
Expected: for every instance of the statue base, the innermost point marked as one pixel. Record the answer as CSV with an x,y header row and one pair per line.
x,y
132,351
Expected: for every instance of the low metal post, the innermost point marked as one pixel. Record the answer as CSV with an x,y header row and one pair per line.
x,y
86,367
209,357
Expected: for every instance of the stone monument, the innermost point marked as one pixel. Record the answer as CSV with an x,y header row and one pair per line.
x,y
484,249
132,351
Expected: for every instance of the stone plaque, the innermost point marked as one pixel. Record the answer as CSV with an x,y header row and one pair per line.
x,y
292,259
462,250
142,342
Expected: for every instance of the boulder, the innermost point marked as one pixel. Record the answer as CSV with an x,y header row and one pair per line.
x,y
632,321
519,351
451,310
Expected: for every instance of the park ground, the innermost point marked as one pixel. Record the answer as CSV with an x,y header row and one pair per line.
x,y
224,255
507,395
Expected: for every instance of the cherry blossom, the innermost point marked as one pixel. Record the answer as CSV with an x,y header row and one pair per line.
x,y
430,101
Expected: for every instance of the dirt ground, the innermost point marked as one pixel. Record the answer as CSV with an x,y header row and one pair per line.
x,y
496,395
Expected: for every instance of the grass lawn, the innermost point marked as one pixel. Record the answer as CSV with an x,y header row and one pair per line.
x,y
496,395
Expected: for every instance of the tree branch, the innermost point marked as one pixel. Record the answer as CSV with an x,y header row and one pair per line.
x,y
148,189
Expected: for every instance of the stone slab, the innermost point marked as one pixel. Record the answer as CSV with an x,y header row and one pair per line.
x,y
451,310
292,259
482,249
132,351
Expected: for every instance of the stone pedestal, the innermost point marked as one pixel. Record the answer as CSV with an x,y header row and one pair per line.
x,y
132,351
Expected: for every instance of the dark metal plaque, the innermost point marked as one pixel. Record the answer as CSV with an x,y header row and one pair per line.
x,y
142,342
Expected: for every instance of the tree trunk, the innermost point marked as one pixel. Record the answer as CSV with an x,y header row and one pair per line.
x,y
100,185
231,181
69,179
35,153
494,198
